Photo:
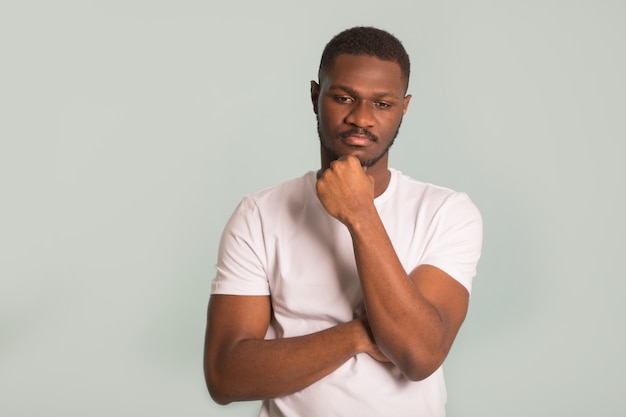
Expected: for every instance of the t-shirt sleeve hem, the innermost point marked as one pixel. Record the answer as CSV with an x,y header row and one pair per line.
x,y
453,272
221,286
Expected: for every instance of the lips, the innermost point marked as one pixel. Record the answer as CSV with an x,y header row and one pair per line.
x,y
357,140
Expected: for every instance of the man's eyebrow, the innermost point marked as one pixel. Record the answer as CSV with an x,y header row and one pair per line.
x,y
353,92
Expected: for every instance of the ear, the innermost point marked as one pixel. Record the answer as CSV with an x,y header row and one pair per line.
x,y
405,105
315,95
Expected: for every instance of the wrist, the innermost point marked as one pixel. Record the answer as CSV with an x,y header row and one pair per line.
x,y
360,336
363,223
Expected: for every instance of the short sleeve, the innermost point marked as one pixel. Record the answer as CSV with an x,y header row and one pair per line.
x,y
457,242
241,262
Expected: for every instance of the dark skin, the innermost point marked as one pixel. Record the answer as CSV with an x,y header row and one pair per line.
x,y
411,318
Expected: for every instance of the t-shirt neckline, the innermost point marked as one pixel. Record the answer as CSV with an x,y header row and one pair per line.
x,y
393,181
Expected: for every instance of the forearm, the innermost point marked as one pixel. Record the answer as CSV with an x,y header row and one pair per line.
x,y
253,369
406,327
414,317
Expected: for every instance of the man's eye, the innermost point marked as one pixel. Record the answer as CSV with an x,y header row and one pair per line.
x,y
343,99
382,105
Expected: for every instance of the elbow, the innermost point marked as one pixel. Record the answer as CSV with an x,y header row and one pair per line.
x,y
417,367
419,373
218,396
216,387
219,399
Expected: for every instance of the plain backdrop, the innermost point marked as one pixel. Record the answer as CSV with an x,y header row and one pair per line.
x,y
130,130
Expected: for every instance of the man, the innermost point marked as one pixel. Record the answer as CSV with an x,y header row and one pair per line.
x,y
340,293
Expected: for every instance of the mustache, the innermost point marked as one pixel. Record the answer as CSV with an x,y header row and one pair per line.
x,y
359,132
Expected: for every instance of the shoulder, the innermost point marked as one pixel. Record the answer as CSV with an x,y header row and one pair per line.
x,y
429,196
260,211
451,224
273,199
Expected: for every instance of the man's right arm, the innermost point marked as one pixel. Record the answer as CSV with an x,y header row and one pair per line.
x,y
240,365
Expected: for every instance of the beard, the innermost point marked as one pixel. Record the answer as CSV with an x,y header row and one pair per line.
x,y
366,163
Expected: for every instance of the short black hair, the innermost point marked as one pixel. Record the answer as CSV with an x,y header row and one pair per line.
x,y
370,41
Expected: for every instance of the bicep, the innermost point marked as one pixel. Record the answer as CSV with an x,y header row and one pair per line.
x,y
232,318
446,295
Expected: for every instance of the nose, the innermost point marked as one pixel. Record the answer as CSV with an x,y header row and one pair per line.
x,y
361,115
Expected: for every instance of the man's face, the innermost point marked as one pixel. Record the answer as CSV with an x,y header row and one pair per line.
x,y
359,104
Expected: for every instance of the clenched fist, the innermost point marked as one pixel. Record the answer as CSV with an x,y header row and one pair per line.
x,y
346,191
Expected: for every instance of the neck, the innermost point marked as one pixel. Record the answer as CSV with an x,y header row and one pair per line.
x,y
381,180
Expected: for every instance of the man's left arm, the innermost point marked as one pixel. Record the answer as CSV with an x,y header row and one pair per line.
x,y
414,317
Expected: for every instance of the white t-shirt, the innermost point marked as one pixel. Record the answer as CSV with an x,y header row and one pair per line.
x,y
281,242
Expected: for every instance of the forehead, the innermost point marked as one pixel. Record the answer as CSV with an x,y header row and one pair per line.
x,y
364,72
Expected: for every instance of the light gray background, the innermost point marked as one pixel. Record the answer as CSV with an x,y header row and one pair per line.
x,y
130,130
